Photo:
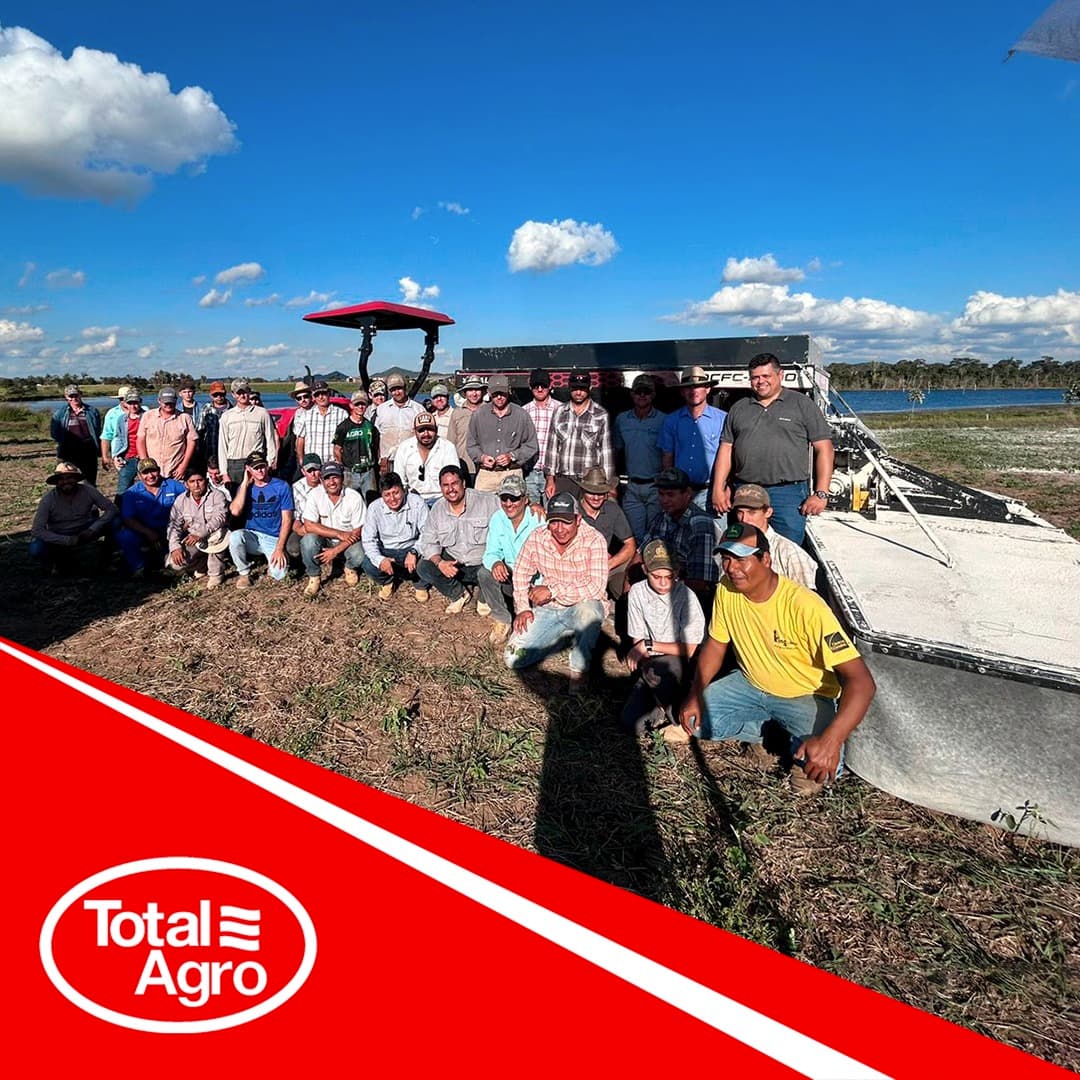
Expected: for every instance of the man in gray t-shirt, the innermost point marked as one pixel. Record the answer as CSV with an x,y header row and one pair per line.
x,y
767,440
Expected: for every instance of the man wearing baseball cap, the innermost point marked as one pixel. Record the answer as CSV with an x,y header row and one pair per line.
x,y
751,506
510,527
167,436
421,459
120,439
309,482
320,424
76,429
541,411
394,420
440,408
796,666
458,432
690,437
579,439
665,622
243,430
356,447
634,440
560,579
264,506
333,522
208,423
502,439
144,511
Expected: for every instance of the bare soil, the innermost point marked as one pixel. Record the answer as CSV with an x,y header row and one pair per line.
x,y
962,920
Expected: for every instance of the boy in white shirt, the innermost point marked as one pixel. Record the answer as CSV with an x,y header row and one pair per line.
x,y
666,624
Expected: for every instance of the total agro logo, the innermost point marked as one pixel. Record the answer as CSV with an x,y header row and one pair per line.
x,y
178,945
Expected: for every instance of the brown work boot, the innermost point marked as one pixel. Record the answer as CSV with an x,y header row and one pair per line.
x,y
214,583
801,784
243,581
676,734
500,631
351,576
758,755
312,586
421,595
386,591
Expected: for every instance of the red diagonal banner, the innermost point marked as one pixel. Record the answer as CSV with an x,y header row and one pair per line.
x,y
183,901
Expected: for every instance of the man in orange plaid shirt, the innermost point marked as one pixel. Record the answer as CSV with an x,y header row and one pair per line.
x,y
560,579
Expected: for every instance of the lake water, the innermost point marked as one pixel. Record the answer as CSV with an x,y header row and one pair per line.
x,y
862,401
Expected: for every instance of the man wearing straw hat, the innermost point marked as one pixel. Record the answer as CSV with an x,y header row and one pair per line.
x,y
70,515
690,437
196,535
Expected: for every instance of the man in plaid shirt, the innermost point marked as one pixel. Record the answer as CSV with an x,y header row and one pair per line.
x,y
560,578
579,440
541,410
316,433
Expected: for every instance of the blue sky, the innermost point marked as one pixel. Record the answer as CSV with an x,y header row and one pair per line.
x,y
577,172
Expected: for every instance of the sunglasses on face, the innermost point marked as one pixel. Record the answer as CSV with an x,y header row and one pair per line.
x,y
322,393
218,393
511,498
303,397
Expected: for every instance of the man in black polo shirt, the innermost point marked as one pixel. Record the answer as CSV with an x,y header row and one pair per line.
x,y
766,441
607,518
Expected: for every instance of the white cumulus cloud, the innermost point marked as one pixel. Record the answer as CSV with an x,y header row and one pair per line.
x,y
65,278
93,126
144,352
199,279
98,348
263,301
13,333
203,350
544,246
98,331
1059,312
454,208
311,300
412,292
215,299
240,274
763,269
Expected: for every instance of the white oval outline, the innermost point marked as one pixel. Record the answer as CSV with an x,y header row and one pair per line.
x,y
177,1027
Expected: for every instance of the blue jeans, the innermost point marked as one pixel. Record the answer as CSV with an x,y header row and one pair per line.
x,y
735,709
397,557
126,475
641,503
245,542
534,487
311,545
363,482
786,500
551,627
134,546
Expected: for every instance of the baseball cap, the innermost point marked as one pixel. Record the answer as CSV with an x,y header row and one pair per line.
x,y
321,385
147,464
440,390
332,468
644,383
539,377
424,420
257,457
217,387
742,540
359,397
751,496
394,382
499,384
512,485
656,555
240,384
580,379
672,478
562,507
311,461
167,394
123,391
132,396
377,386
71,390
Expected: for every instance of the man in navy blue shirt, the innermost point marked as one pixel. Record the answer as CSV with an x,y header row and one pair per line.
x,y
265,506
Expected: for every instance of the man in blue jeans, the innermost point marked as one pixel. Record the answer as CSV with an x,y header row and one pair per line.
x,y
795,665
264,505
391,538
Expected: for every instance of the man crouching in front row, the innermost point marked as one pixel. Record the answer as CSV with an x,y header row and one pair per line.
x,y
795,663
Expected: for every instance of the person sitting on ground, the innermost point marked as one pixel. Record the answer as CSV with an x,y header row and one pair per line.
x,y
70,518
689,531
391,537
501,437
144,511
795,663
197,535
243,430
560,579
665,623
440,409
120,439
167,436
454,537
333,520
751,506
421,459
508,530
606,516
76,429
356,448
310,480
264,507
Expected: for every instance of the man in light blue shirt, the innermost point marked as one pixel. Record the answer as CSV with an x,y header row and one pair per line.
x,y
634,440
391,537
507,531
690,437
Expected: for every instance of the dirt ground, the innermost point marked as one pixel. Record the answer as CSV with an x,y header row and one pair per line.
x,y
962,920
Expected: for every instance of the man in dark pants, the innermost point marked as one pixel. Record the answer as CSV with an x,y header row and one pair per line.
x,y
76,429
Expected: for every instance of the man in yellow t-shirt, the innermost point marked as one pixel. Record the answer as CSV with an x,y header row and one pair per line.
x,y
795,665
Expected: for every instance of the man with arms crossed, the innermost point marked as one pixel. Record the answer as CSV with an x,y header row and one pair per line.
x,y
795,663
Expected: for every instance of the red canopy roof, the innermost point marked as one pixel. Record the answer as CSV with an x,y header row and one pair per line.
x,y
386,316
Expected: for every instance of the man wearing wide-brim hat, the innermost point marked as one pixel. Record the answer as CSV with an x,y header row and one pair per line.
x,y
196,536
606,517
70,515
690,437
458,432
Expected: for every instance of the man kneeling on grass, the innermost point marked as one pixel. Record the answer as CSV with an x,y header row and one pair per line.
x,y
264,506
795,662
333,520
560,580
196,535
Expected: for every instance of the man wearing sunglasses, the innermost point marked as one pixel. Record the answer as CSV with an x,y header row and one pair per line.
x,y
209,421
797,667
507,532
419,460
245,429
315,433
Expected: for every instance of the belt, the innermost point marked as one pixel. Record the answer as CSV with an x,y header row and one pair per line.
x,y
499,468
786,483
642,479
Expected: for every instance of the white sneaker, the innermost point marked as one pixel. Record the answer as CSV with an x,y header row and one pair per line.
x,y
482,609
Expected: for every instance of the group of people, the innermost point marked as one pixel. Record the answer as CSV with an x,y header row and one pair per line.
x,y
520,510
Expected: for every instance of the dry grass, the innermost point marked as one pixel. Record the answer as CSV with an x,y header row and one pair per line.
x,y
974,925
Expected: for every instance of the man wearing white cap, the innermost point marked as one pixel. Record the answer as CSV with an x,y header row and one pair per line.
x,y
394,420
690,437
440,409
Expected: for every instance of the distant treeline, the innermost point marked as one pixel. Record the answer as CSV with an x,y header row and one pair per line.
x,y
961,373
